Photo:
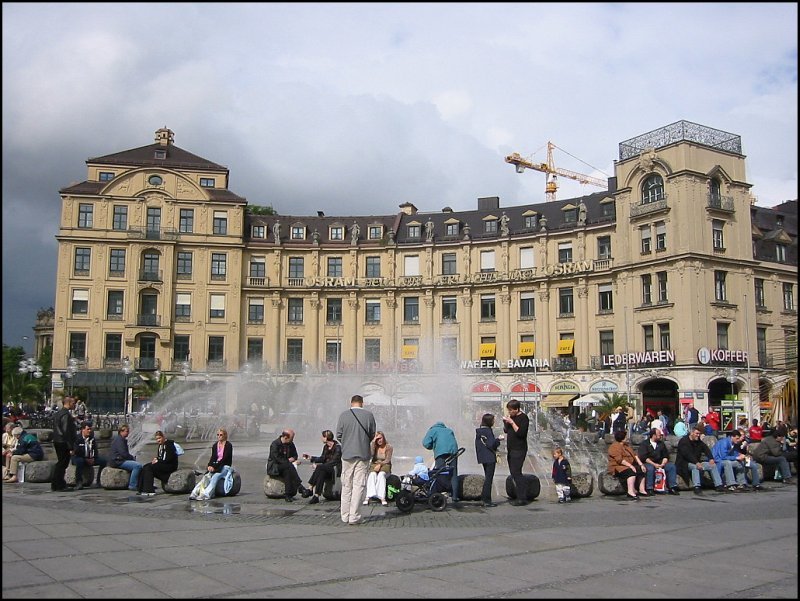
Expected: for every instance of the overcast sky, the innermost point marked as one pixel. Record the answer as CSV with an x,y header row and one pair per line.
x,y
357,108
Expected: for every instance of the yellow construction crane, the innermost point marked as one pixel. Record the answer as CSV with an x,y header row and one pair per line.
x,y
549,168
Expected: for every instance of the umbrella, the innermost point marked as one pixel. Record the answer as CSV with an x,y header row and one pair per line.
x,y
588,399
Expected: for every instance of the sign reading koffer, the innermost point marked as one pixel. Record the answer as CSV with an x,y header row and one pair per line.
x,y
706,356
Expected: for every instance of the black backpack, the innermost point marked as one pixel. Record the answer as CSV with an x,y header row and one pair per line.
x,y
620,422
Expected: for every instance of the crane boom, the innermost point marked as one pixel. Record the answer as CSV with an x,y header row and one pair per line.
x,y
549,168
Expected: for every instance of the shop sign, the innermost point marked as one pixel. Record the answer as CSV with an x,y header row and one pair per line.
x,y
527,363
564,386
604,386
642,358
708,356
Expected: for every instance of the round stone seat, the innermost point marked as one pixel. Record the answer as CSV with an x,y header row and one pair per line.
x,y
332,491
181,482
114,478
40,471
42,434
219,491
610,485
582,485
104,434
534,487
274,487
470,486
88,475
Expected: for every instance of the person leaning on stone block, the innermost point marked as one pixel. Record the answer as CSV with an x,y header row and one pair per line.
x,y
28,449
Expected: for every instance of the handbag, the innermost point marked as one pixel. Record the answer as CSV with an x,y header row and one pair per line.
x,y
272,468
178,449
660,480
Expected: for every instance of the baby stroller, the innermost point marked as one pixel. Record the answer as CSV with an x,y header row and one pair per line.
x,y
427,491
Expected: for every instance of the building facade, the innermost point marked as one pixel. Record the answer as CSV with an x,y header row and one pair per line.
x,y
671,285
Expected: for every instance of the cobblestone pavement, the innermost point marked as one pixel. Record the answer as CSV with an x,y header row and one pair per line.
x,y
113,544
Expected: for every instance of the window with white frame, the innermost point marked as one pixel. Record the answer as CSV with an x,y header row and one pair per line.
x,y
529,222
717,239
217,306
411,265
207,182
644,235
788,296
526,257
411,309
183,306
663,295
80,302
373,310
259,231
604,247
219,266
487,261
374,232
652,189
565,252
336,232
605,298
488,309
85,215
490,226
527,306
451,230
780,253
83,260
449,308
720,293
661,235
298,232
115,304
414,231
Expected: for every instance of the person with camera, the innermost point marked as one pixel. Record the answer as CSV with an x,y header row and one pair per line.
x,y
515,427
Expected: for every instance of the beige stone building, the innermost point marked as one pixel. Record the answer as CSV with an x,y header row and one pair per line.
x,y
671,284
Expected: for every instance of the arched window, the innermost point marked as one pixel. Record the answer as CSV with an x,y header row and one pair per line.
x,y
652,189
714,190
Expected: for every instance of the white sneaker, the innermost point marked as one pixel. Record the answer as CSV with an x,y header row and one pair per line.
x,y
384,503
366,502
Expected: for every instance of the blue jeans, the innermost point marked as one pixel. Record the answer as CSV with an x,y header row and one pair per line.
x,y
669,469
134,467
782,464
706,466
733,471
212,487
79,462
439,462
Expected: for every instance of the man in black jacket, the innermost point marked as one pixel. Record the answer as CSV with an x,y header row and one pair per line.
x,y
63,442
86,455
515,426
654,454
283,454
691,450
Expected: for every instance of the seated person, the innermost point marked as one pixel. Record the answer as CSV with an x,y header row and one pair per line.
x,y
749,463
654,454
680,430
283,456
380,466
419,473
27,450
731,461
86,454
162,465
769,452
328,464
218,465
626,465
9,442
120,457
689,461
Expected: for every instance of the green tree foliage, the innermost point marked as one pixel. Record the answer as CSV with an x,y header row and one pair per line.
x,y
610,402
258,210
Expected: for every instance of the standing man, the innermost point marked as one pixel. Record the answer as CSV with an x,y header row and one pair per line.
x,y
515,426
63,442
355,430
442,440
692,417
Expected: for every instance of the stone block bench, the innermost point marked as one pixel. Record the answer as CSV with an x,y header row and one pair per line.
x,y
470,486
582,485
88,475
114,478
532,484
275,488
40,471
181,482
610,485
42,434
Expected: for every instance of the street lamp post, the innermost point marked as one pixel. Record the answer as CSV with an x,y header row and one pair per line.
x,y
30,366
72,369
186,369
127,369
338,345
731,377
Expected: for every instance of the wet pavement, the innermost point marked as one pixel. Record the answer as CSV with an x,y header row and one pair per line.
x,y
96,543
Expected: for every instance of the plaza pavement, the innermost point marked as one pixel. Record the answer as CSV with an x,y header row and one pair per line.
x,y
99,544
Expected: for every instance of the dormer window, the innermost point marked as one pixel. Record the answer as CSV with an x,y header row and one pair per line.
x,y
375,232
490,226
207,182
106,176
160,154
571,216
414,231
298,232
337,232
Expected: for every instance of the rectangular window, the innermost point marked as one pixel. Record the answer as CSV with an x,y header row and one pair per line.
x,y
488,308
526,257
184,265
153,220
255,350
411,309
255,310
571,216
790,338
333,311
490,226
663,296
106,176
298,232
207,182
217,306
372,268
527,305
663,336
258,231
760,297
606,342
294,354
85,215
77,345
120,219
449,308
375,232
296,267
644,234
565,252
115,303
648,338
717,239
487,261
336,232
414,231
605,298
116,262
373,311
722,335
183,307
788,297
411,265
295,310
720,293
83,261
258,267
529,222
80,302
216,349
604,247
761,346
186,221
372,350
780,253
335,267
647,289
661,235
180,347
608,209
566,303
219,266
449,265
220,224
451,230
113,346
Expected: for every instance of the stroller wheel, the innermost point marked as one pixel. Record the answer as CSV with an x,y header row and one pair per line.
x,y
405,501
437,501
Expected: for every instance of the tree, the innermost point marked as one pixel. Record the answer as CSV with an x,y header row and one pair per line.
x,y
20,391
149,387
610,402
258,210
